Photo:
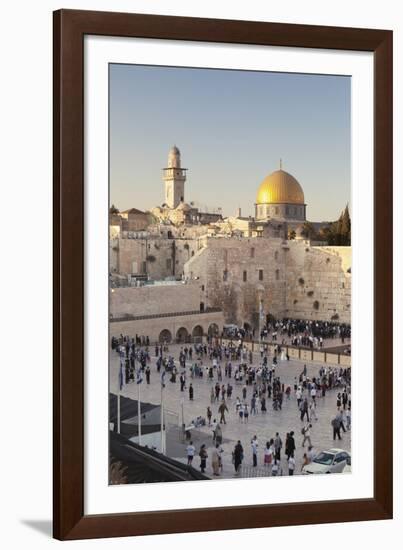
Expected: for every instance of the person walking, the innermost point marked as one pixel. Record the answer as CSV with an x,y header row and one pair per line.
x,y
253,409
304,409
238,457
203,458
222,409
290,445
244,390
268,454
246,413
215,460
191,392
254,445
312,410
306,432
190,451
214,428
336,428
278,444
209,414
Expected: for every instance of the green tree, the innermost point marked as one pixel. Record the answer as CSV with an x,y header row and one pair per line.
x,y
308,231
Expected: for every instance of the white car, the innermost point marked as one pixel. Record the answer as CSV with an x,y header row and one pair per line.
x,y
328,462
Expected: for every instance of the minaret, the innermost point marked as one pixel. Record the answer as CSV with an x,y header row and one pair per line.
x,y
174,177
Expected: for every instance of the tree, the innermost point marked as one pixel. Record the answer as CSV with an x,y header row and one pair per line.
x,y
345,227
308,231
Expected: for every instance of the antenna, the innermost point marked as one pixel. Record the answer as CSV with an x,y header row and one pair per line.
x,y
281,164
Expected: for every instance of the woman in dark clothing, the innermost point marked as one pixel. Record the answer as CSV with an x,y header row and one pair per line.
x,y
238,456
290,445
263,405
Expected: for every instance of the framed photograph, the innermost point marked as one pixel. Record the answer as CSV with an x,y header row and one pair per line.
x,y
222,274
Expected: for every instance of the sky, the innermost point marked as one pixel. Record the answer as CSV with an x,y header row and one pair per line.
x,y
232,128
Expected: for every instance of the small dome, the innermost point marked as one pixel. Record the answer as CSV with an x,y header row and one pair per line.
x,y
280,187
174,157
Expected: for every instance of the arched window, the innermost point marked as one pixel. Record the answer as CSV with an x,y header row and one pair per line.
x,y
277,274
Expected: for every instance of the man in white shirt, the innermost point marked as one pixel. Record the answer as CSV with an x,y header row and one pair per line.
x,y
190,449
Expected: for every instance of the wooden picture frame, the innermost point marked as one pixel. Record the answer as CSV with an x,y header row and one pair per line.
x,y
70,27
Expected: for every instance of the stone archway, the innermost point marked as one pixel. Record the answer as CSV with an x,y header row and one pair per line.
x,y
213,330
165,337
182,335
197,334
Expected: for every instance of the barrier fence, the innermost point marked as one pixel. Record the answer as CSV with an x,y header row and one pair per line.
x,y
299,354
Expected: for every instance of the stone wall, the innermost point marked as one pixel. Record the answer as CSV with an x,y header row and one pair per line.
x,y
155,299
234,274
318,284
297,280
158,258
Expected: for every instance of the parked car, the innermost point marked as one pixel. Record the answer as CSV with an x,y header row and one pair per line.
x,y
328,462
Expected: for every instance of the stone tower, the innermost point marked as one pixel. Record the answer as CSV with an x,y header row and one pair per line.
x,y
174,177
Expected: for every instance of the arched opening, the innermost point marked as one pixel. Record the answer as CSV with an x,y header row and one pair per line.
x,y
213,330
197,334
182,335
165,337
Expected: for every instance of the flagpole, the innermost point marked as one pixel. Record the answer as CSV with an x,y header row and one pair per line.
x,y
162,419
139,413
118,426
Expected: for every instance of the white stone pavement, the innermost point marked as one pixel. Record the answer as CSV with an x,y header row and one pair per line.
x,y
263,425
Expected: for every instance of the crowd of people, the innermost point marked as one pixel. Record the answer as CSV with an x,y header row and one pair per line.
x,y
225,366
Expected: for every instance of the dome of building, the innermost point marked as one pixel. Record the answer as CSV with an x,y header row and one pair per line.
x,y
280,187
174,157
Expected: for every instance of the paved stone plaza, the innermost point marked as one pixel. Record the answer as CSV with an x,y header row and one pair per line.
x,y
263,425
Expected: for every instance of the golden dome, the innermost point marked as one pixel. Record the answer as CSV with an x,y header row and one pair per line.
x,y
280,187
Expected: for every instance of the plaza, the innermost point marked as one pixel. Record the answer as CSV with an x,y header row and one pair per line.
x,y
180,409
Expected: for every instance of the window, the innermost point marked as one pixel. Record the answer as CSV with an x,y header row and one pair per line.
x,y
225,275
245,276
260,274
276,255
277,274
252,252
276,209
202,288
287,210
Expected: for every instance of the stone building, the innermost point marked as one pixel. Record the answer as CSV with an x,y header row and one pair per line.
x,y
190,272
